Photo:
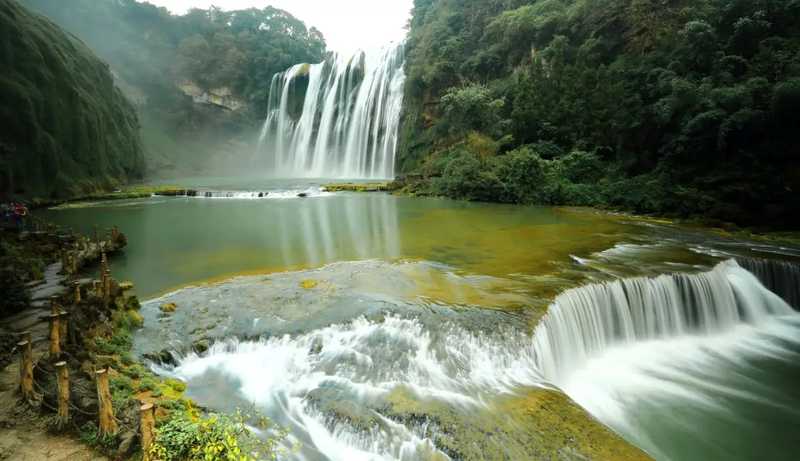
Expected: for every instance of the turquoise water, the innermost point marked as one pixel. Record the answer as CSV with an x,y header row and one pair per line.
x,y
385,277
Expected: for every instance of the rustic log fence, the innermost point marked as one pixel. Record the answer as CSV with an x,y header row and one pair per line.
x,y
59,338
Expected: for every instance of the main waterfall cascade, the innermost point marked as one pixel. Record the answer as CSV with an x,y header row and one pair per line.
x,y
336,119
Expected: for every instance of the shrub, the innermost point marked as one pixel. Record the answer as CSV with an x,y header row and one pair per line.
x,y
581,167
215,437
468,177
525,176
471,107
90,435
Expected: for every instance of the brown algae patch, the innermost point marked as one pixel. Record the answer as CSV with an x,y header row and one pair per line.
x,y
539,424
309,284
508,240
357,187
560,426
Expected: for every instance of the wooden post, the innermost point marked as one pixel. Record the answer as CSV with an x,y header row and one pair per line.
x,y
107,285
98,289
63,392
26,369
54,309
103,262
55,336
108,425
147,424
63,320
77,286
74,262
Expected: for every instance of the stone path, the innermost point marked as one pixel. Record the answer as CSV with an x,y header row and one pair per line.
x,y
23,432
34,319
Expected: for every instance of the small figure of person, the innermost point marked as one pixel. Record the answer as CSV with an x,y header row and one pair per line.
x,y
5,213
20,214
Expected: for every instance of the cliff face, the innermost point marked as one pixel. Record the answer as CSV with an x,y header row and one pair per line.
x,y
65,128
221,97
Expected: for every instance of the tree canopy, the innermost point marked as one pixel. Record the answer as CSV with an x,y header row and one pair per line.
x,y
685,107
153,53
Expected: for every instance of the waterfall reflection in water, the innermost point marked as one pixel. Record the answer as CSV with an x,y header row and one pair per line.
x,y
321,232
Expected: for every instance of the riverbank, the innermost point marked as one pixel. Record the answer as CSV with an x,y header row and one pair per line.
x,y
420,186
93,320
126,193
93,335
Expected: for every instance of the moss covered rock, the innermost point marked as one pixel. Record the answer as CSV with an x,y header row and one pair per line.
x,y
168,308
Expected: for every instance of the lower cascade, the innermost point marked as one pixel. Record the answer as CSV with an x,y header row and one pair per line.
x,y
781,277
300,380
336,119
584,322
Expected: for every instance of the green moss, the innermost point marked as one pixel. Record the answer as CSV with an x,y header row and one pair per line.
x,y
539,424
358,187
176,385
168,308
147,384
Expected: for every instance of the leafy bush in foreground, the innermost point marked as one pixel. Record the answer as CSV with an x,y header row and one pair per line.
x,y
216,437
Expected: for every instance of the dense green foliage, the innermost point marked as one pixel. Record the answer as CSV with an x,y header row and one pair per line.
x,y
65,128
667,106
216,437
153,53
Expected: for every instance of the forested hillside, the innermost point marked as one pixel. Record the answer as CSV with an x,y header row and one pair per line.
x,y
683,107
199,80
65,128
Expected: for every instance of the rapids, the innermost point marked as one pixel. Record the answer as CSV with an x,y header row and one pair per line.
x,y
614,347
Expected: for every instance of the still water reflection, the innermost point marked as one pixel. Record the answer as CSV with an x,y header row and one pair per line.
x,y
179,241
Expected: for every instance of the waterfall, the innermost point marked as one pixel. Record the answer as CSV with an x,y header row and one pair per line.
x,y
584,322
334,387
781,277
336,119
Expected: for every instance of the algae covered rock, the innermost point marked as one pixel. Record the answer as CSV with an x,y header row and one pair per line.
x,y
537,424
168,308
308,284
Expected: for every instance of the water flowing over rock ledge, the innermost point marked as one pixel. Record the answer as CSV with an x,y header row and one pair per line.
x,y
335,119
377,374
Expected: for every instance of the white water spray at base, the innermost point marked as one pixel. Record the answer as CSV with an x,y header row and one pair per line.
x,y
658,358
584,322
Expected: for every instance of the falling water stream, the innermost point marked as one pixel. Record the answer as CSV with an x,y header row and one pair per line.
x,y
379,327
335,119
